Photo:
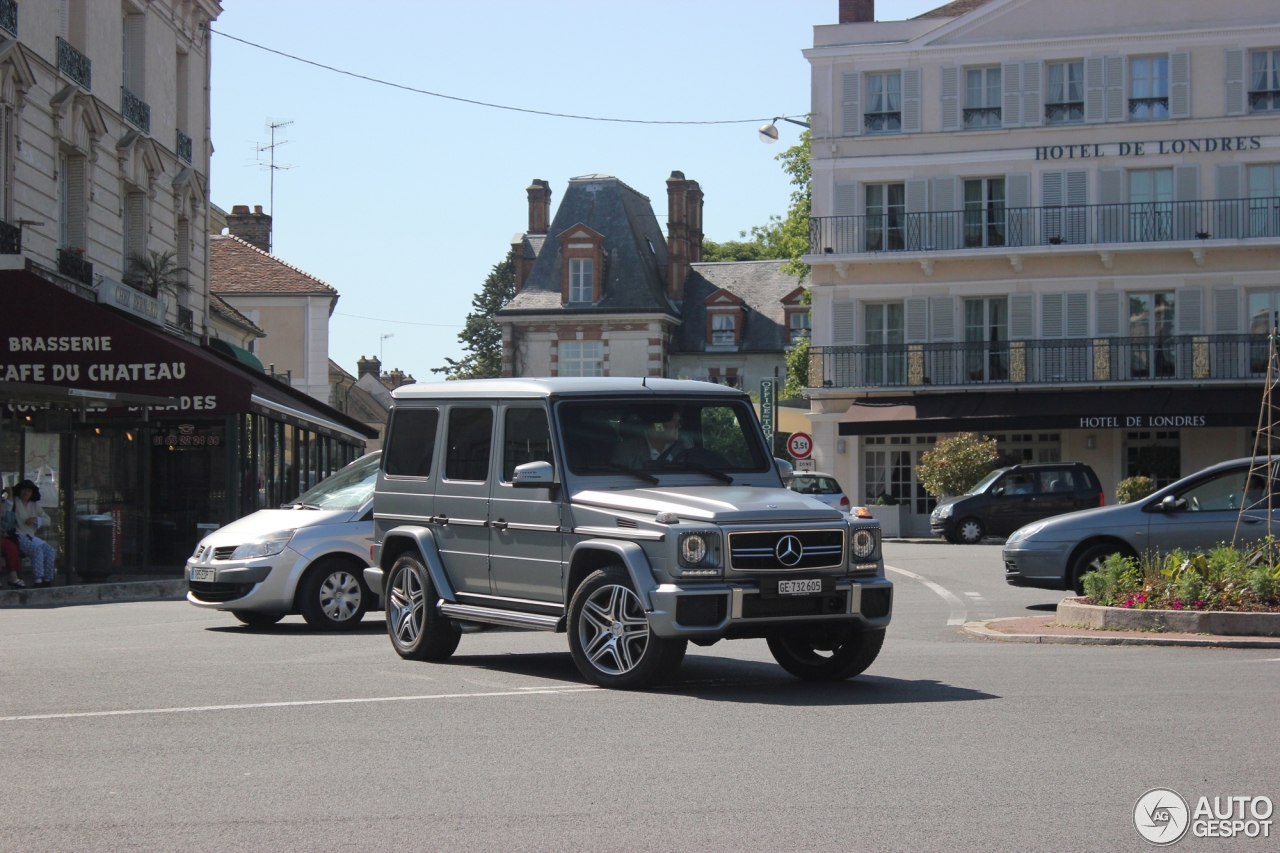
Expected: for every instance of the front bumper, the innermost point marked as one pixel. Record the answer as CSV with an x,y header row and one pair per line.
x,y
1041,565
737,608
260,585
942,527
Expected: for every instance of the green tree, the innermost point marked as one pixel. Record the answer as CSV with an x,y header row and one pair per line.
x,y
797,370
481,336
156,272
956,464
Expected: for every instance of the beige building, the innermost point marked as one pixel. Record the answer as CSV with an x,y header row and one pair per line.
x,y
1054,223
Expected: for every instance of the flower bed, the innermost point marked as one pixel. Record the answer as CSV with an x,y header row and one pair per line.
x,y
1223,579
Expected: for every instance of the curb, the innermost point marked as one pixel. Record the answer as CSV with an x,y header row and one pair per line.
x,y
983,631
95,593
1074,613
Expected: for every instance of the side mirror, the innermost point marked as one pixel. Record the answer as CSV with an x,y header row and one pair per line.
x,y
534,475
1169,504
785,470
998,491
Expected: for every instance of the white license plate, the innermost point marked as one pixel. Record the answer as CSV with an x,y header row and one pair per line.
x,y
804,587
200,573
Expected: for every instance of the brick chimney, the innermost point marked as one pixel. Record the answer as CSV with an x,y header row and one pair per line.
x,y
396,378
253,228
857,11
539,206
684,230
368,365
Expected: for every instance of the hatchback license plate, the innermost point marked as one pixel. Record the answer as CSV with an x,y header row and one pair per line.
x,y
804,587
202,574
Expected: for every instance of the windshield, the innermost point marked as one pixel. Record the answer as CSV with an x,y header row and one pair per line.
x,y
809,485
985,482
345,489
644,438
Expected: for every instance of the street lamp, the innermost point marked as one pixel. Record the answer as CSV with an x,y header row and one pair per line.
x,y
769,132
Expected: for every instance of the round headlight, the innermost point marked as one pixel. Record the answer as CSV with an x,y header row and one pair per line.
x,y
693,549
864,543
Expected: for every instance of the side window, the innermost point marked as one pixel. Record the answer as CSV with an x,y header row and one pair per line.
x,y
470,434
1018,483
412,442
525,438
1223,492
1057,481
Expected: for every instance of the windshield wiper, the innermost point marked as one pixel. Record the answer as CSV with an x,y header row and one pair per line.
x,y
300,506
623,469
702,469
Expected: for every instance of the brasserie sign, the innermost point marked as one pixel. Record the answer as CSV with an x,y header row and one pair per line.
x,y
1202,145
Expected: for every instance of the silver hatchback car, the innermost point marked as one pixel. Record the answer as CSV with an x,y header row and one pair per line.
x,y
633,515
305,558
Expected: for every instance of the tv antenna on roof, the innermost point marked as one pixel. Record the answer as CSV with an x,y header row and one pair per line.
x,y
272,165
382,344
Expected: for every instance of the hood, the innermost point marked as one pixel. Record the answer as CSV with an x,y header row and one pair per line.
x,y
718,504
267,521
1094,518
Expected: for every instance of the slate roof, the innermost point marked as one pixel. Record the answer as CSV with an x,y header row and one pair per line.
x,y
634,245
239,267
954,9
760,284
221,308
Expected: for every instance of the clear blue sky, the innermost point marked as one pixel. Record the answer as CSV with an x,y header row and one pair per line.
x,y
404,202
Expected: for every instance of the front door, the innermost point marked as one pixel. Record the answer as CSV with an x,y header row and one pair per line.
x,y
1207,511
524,540
1015,505
461,521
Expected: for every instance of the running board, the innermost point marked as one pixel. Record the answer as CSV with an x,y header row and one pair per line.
x,y
509,618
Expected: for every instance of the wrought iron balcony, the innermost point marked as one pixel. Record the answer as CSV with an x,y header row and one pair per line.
x,y
1148,108
135,110
75,64
976,117
9,17
1264,101
186,318
72,264
1064,112
1197,358
1016,227
10,239
183,147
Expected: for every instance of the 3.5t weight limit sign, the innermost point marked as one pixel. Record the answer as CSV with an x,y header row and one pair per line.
x,y
800,445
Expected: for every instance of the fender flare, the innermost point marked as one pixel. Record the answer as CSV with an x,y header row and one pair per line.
x,y
633,558
425,542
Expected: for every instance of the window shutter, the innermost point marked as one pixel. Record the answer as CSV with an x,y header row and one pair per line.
x,y
1017,187
1019,217
1110,186
135,241
951,117
1052,189
1230,181
946,219
1078,314
1190,310
917,319
1051,315
1095,90
1186,183
917,200
1077,183
1011,89
911,100
942,310
1032,100
851,104
1186,189
945,190
135,53
1237,104
1232,210
1108,307
64,18
76,203
844,322
1180,84
1226,310
846,200
1115,101
1022,307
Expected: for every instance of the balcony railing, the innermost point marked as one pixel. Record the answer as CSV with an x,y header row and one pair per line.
x,y
9,17
1014,227
183,147
186,318
10,239
1041,362
72,264
135,110
75,64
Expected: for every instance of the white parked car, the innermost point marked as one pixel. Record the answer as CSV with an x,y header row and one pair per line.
x,y
823,487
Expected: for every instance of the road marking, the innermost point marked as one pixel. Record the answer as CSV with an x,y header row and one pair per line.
x,y
958,611
523,691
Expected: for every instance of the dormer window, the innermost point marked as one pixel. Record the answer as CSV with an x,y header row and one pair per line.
x,y
582,266
581,279
725,314
724,331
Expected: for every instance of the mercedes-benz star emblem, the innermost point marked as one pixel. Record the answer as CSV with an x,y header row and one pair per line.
x,y
789,550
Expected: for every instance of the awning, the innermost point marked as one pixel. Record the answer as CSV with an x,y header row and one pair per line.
x,y
238,353
1119,408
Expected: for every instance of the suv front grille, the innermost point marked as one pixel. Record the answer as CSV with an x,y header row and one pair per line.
x,y
224,552
759,550
219,592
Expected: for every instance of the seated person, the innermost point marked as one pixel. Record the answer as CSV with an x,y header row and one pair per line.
x,y
8,543
659,441
31,518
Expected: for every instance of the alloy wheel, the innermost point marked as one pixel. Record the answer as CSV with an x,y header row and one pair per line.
x,y
340,596
613,629
406,609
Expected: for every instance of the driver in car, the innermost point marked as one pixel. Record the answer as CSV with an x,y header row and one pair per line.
x,y
661,441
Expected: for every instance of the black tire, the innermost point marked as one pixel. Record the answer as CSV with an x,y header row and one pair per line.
x,y
257,620
332,595
622,654
826,653
415,626
969,531
1092,558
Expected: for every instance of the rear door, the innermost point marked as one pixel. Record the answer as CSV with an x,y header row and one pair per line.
x,y
407,483
461,521
1056,493
525,540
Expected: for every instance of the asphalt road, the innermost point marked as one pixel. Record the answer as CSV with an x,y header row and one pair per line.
x,y
157,726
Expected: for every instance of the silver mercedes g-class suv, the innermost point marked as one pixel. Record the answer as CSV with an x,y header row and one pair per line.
x,y
635,515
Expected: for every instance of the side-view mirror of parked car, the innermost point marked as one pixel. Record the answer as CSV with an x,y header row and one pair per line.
x,y
1170,503
998,491
534,475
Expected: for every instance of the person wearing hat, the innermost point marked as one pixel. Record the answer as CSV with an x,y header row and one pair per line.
x,y
31,518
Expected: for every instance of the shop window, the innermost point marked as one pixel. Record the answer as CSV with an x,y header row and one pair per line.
x,y
982,97
1157,455
884,103
875,473
469,438
525,438
1064,96
1264,81
581,358
1149,88
411,443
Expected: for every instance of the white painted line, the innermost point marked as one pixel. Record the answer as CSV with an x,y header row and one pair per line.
x,y
958,611
201,708
973,595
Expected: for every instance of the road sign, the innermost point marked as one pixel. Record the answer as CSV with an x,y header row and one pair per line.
x,y
800,445
769,410
806,465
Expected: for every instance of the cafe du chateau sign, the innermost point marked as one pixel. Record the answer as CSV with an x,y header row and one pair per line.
x,y
1202,145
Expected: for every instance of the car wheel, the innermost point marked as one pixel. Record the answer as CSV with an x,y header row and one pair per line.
x,y
1091,560
829,653
332,596
970,531
254,619
416,628
609,634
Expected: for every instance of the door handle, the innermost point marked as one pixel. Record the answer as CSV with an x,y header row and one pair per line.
x,y
440,519
500,524
1248,520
